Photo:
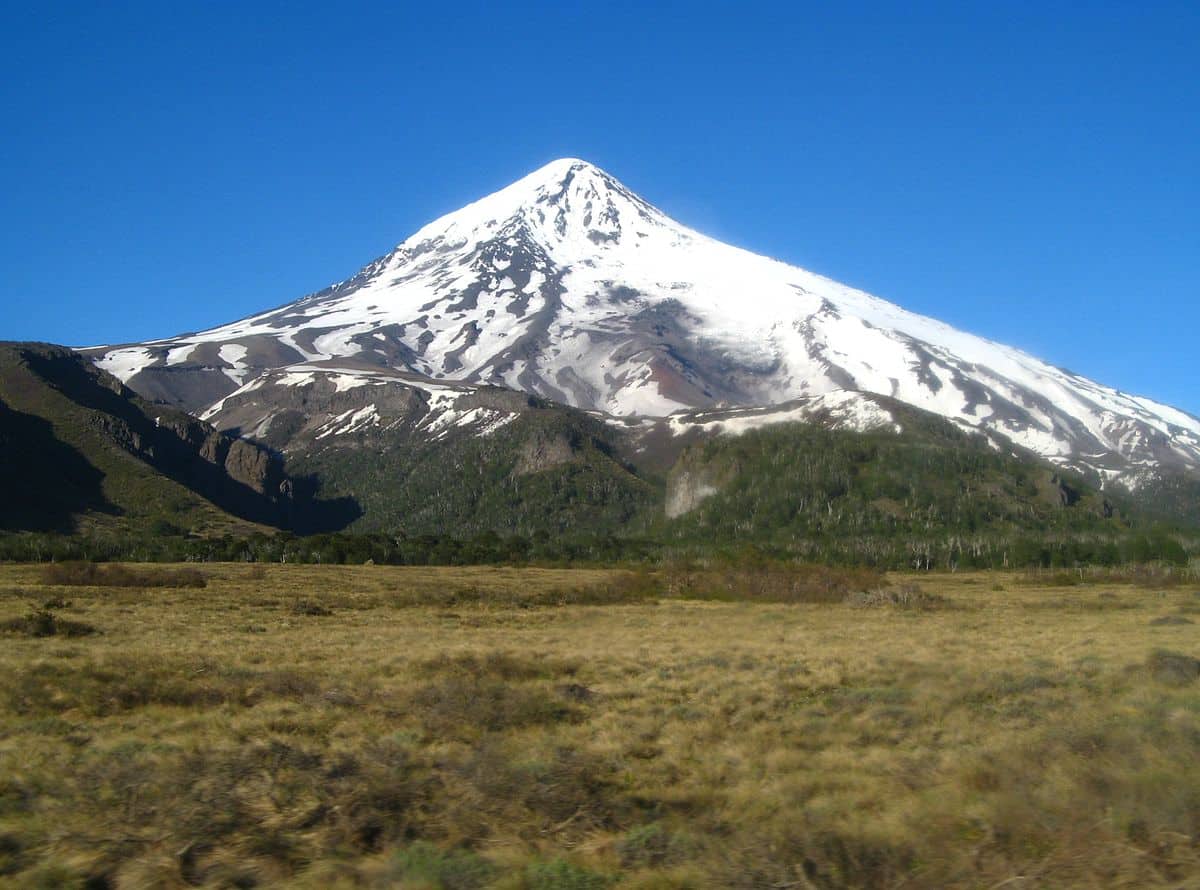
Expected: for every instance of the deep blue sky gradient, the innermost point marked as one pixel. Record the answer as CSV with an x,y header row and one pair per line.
x,y
1026,171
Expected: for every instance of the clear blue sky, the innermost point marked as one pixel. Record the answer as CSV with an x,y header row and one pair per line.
x,y
1027,171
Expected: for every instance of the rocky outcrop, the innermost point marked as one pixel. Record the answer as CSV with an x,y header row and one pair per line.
x,y
244,478
542,451
686,489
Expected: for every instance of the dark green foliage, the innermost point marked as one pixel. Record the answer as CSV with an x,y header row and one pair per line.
x,y
799,478
559,874
551,471
933,497
436,869
1170,497
652,845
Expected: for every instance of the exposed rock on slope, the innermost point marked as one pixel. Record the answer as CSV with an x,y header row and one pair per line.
x,y
79,443
567,286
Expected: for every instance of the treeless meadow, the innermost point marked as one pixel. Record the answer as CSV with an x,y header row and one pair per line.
x,y
371,726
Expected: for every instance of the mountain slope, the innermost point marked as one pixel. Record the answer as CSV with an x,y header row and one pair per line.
x,y
839,476
425,457
568,286
841,473
84,453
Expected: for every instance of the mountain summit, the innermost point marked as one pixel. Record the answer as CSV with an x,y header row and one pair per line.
x,y
568,286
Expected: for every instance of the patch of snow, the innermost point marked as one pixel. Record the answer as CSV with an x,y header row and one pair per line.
x,y
781,332
179,354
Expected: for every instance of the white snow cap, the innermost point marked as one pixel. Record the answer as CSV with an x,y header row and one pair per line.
x,y
567,285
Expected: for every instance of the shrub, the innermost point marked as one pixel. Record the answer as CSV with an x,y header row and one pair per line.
x,y
559,874
497,666
44,623
123,683
903,596
628,587
11,849
89,574
1143,576
306,607
1173,667
428,866
465,703
565,793
771,582
625,588
1037,578
647,846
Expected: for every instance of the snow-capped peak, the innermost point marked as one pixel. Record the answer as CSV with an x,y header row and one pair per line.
x,y
567,285
568,198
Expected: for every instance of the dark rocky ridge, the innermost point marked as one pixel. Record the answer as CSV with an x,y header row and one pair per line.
x,y
237,476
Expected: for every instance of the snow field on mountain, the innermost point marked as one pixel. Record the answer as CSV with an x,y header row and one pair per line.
x,y
567,285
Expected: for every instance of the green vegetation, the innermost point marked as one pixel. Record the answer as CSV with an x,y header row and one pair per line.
x,y
93,473
934,497
549,472
372,726
70,465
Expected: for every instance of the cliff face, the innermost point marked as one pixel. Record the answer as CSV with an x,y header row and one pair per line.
x,y
94,414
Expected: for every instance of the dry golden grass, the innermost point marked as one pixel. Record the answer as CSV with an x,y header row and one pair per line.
x,y
453,728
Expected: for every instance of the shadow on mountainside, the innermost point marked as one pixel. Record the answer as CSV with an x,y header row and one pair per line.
x,y
236,476
45,483
312,516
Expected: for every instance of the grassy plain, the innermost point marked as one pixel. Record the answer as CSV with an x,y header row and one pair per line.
x,y
308,726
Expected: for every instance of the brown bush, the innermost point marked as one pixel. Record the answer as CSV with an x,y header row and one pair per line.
x,y
1173,667
624,588
1143,576
901,596
124,684
503,666
467,704
771,583
90,574
44,623
306,607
